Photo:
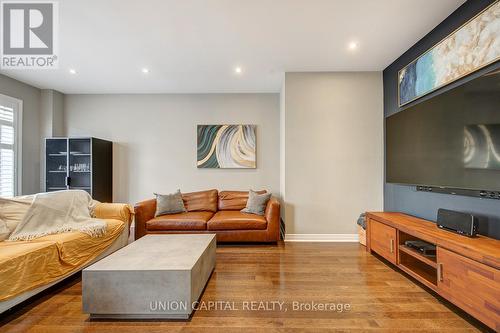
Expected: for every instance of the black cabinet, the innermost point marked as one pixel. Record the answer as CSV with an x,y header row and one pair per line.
x,y
80,163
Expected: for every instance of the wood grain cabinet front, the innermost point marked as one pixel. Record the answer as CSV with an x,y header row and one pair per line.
x,y
470,285
466,271
383,240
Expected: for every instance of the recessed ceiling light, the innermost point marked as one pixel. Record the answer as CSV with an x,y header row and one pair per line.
x,y
72,71
145,70
352,45
238,70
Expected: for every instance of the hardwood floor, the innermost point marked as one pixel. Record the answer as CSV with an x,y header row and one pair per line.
x,y
381,298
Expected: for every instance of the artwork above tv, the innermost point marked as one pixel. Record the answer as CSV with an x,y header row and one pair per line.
x,y
474,45
451,140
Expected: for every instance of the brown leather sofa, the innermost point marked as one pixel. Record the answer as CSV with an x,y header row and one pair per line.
x,y
212,212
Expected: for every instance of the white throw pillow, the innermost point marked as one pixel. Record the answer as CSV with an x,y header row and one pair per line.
x,y
12,211
4,230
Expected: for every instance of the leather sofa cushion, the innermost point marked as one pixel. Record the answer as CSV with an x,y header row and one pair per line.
x,y
181,221
235,220
234,200
201,201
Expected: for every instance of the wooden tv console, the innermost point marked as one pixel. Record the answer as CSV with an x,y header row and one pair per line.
x,y
465,271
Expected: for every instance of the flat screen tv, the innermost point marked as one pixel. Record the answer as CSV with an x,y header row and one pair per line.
x,y
451,140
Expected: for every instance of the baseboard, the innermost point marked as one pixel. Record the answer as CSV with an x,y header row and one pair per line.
x,y
321,238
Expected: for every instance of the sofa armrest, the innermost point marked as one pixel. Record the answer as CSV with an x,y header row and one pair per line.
x,y
116,211
272,215
144,211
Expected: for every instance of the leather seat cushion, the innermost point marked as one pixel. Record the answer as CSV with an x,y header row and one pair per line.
x,y
235,220
181,221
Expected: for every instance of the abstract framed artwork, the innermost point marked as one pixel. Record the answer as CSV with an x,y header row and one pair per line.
x,y
474,45
226,146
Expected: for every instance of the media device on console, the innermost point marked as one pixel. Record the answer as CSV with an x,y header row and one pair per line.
x,y
461,223
428,250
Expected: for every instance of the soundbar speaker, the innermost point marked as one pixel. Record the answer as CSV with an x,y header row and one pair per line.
x,y
461,223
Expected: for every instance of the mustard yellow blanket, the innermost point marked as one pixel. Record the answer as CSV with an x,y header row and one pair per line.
x,y
26,265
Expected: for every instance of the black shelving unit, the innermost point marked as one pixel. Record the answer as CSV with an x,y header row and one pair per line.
x,y
80,163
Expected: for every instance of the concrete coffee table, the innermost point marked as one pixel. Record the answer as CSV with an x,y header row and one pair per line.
x,y
157,276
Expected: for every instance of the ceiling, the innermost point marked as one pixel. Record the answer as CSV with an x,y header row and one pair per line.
x,y
195,45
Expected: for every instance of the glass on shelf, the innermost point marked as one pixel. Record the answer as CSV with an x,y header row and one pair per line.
x,y
80,167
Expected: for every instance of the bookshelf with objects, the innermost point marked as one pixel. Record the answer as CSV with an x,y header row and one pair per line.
x,y
80,163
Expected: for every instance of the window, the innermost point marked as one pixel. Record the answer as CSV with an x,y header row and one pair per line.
x,y
10,146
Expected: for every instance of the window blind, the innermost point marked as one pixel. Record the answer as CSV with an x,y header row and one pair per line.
x,y
7,151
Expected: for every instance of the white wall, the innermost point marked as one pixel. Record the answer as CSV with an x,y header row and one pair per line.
x,y
51,123
282,151
333,150
57,113
155,139
31,132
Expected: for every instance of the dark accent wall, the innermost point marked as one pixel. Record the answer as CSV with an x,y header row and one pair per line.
x,y
405,198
